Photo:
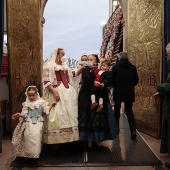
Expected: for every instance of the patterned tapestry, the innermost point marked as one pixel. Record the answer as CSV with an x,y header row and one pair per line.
x,y
112,35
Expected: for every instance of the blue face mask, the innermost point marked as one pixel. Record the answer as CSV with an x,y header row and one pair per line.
x,y
90,65
83,63
86,63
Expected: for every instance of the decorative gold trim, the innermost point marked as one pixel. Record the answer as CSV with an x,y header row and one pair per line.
x,y
145,51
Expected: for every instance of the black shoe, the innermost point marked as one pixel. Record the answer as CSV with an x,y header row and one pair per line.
x,y
96,147
133,135
89,149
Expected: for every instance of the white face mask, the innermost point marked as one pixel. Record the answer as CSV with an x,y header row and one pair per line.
x,y
63,59
86,63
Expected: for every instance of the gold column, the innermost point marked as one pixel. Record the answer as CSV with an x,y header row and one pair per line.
x,y
145,51
25,49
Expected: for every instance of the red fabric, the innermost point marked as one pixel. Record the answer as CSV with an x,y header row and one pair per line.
x,y
45,82
96,71
74,74
5,65
97,77
62,76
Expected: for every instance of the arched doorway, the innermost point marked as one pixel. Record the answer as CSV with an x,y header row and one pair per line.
x,y
25,30
71,26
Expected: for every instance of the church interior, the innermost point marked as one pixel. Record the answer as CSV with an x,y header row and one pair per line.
x,y
140,27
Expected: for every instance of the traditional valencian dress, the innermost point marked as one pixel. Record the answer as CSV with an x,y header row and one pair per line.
x,y
61,125
27,137
94,126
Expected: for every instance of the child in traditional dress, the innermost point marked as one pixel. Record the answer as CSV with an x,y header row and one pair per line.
x,y
102,75
27,137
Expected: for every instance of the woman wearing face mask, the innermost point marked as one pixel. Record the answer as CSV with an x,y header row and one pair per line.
x,y
94,127
61,125
77,80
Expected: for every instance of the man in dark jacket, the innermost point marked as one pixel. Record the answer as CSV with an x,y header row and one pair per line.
x,y
124,78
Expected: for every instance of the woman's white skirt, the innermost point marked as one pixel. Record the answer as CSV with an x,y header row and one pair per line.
x,y
61,125
27,139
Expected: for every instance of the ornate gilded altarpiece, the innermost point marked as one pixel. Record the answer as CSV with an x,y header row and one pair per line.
x,y
25,49
145,51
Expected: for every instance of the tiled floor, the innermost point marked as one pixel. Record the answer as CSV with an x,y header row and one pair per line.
x,y
6,157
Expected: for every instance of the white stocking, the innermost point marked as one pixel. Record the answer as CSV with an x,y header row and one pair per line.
x,y
93,98
100,101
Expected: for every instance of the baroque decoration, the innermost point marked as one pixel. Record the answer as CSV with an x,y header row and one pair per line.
x,y
112,35
145,51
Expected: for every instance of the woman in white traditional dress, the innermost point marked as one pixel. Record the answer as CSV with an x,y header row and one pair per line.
x,y
61,125
77,81
27,137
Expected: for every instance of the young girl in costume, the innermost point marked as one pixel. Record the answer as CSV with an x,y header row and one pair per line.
x,y
27,137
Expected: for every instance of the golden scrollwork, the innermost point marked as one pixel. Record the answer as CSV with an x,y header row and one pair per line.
x,y
25,49
145,51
